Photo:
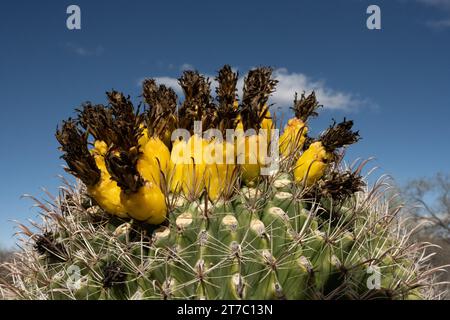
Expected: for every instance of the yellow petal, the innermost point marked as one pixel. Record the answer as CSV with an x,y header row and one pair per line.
x,y
148,204
219,173
293,137
311,165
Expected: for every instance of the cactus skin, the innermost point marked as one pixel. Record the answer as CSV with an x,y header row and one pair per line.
x,y
265,243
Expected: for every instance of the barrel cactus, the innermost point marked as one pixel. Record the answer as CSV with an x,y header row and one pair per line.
x,y
138,224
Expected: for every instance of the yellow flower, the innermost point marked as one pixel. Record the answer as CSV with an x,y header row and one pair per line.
x,y
293,137
194,172
148,204
267,124
100,148
154,161
187,166
106,192
220,168
251,153
176,165
143,139
312,164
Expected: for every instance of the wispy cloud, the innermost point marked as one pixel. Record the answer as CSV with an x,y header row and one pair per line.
x,y
84,51
289,83
186,66
444,7
443,4
439,24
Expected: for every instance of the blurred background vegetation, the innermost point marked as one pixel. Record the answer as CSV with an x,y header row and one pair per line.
x,y
5,255
427,204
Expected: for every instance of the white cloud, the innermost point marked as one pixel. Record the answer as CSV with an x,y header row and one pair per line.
x,y
186,66
168,81
288,84
84,51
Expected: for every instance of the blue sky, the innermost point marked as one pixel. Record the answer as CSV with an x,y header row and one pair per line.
x,y
393,82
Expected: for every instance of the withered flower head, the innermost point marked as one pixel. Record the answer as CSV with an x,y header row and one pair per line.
x,y
339,135
122,165
197,104
340,185
127,123
227,114
74,145
258,86
162,102
98,121
113,274
305,107
46,244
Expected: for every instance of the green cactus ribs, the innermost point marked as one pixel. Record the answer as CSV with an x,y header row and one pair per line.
x,y
265,243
